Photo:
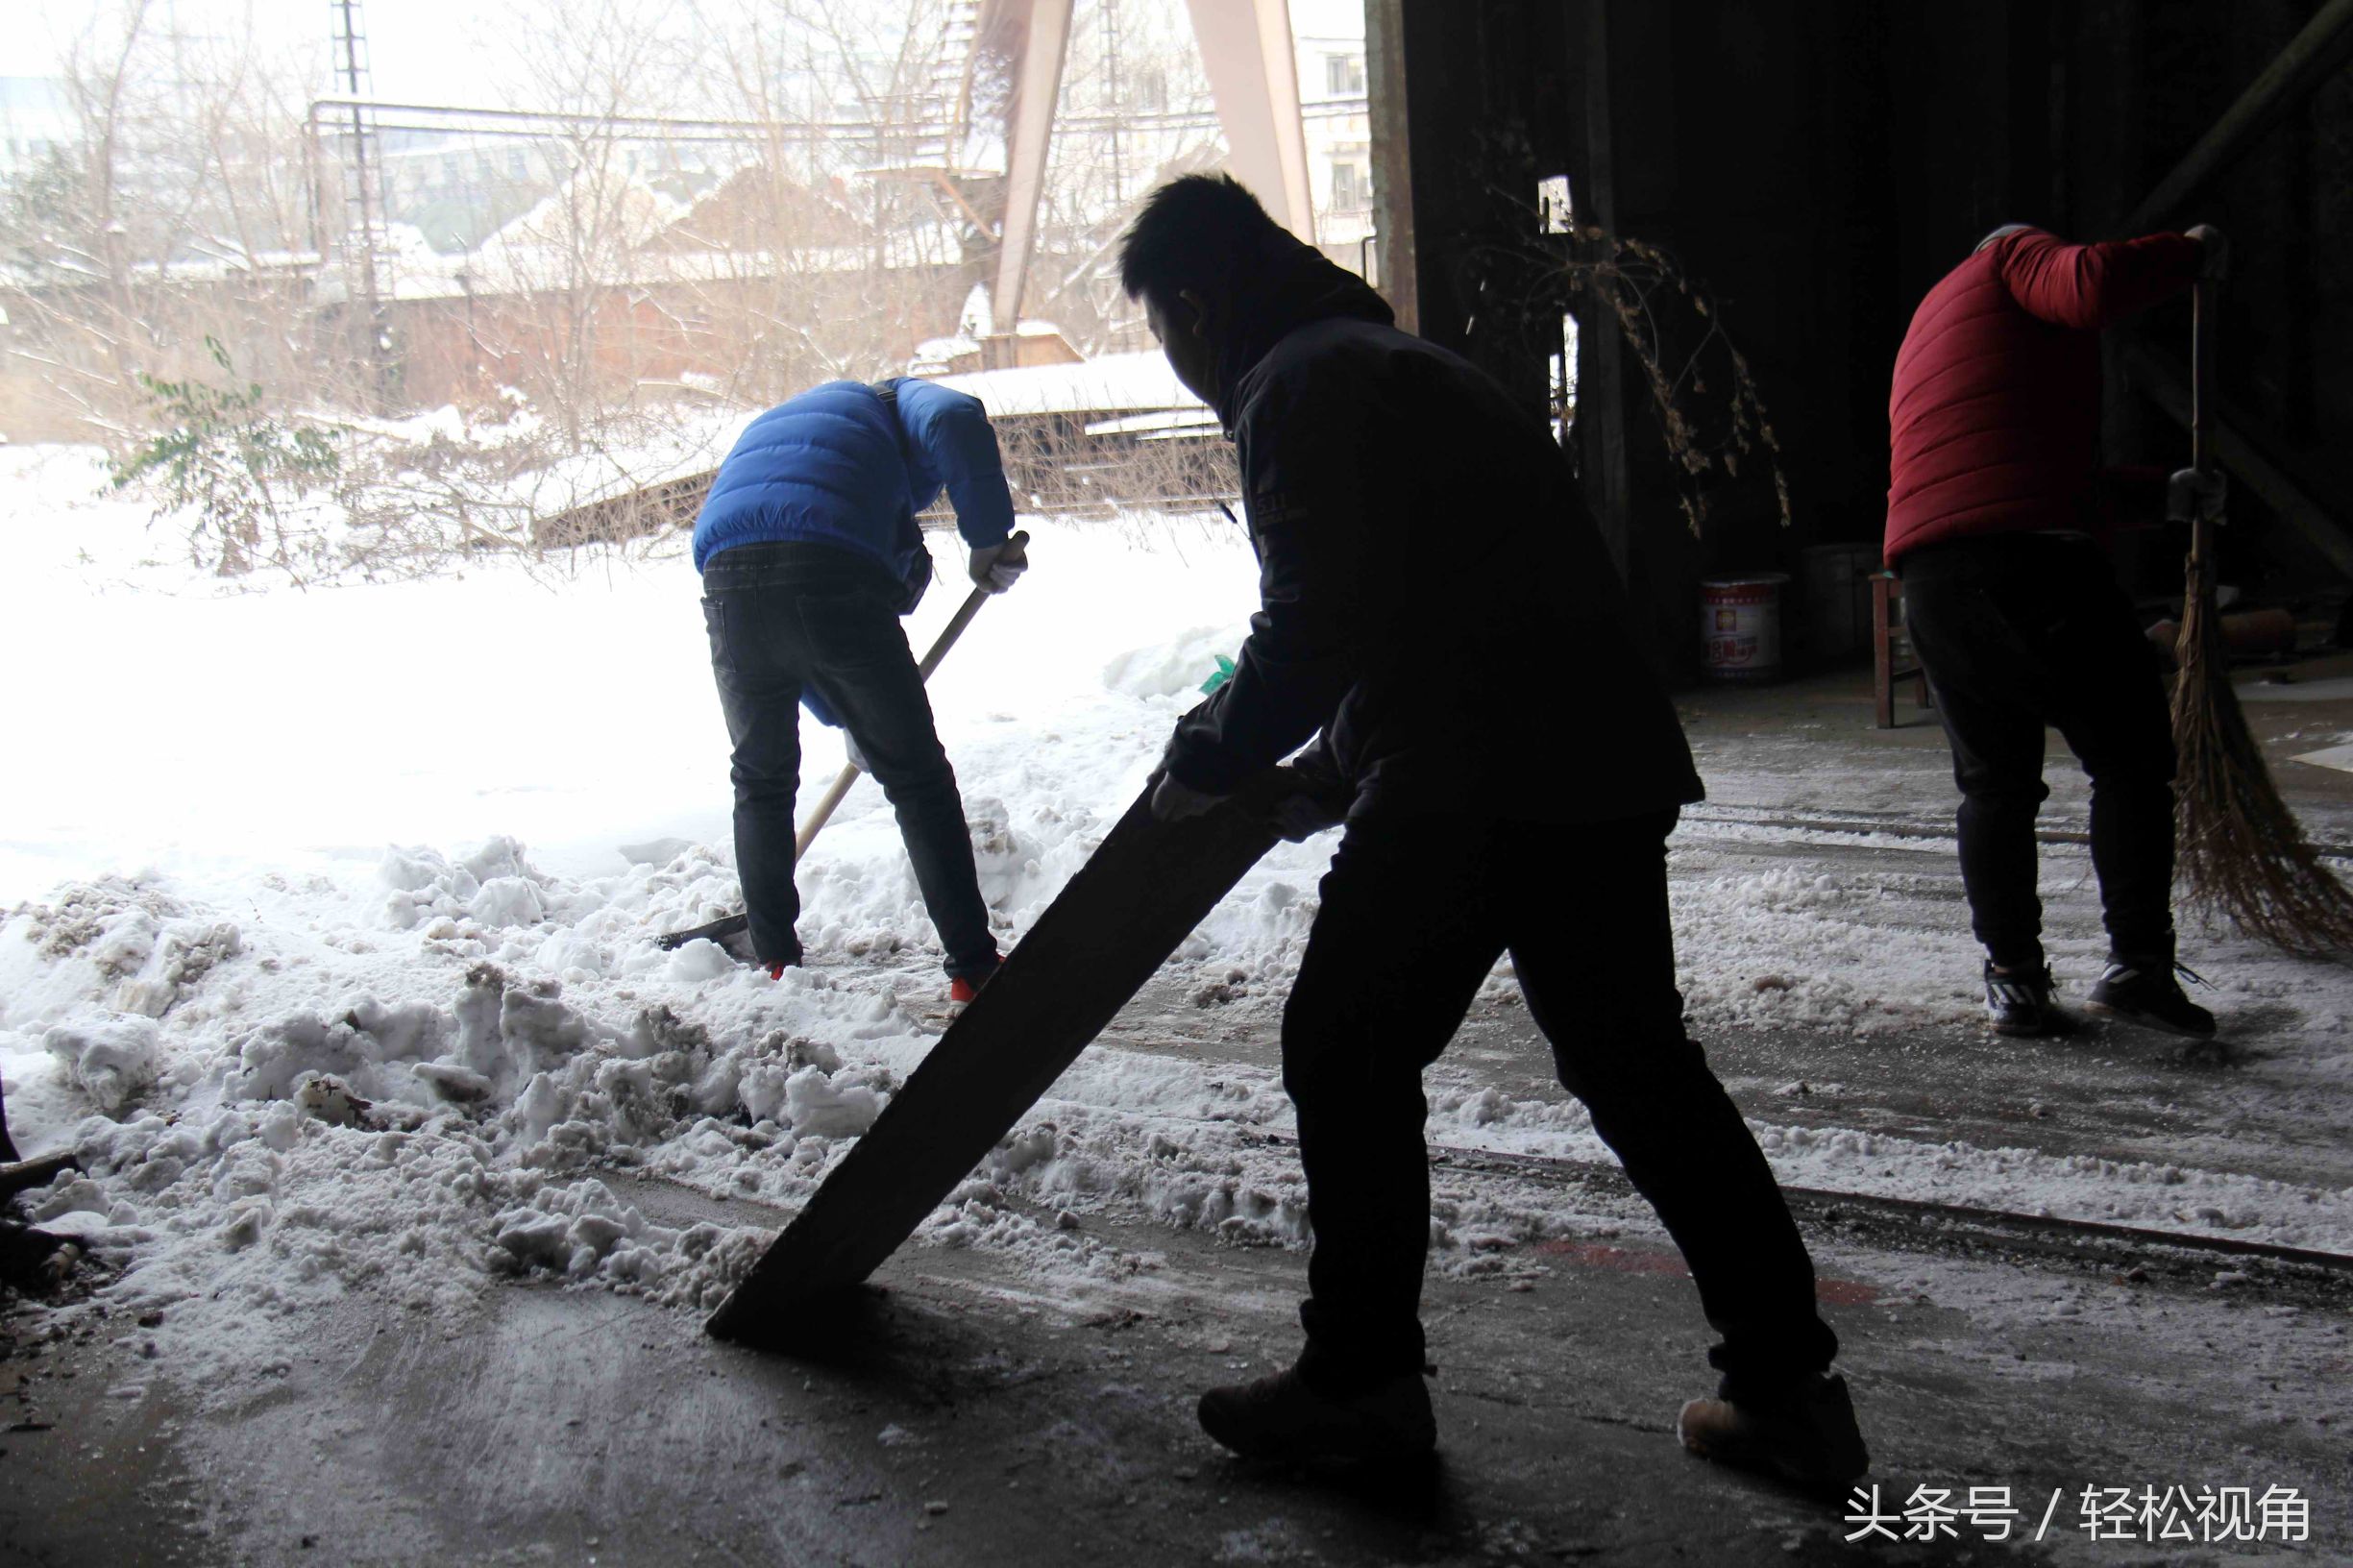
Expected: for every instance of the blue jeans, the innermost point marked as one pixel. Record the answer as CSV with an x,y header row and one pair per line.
x,y
785,617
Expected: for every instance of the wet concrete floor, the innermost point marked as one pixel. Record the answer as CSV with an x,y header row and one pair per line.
x,y
956,1417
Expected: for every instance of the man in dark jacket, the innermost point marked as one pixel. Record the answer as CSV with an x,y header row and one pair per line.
x,y
810,553
1437,607
1996,517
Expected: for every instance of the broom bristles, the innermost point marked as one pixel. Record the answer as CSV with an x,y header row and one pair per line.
x,y
2241,851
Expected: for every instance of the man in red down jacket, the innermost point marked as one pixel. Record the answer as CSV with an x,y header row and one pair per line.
x,y
1996,518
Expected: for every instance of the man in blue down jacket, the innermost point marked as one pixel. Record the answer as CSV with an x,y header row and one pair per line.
x,y
1437,607
810,553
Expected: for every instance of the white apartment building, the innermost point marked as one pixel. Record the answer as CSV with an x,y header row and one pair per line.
x,y
1328,38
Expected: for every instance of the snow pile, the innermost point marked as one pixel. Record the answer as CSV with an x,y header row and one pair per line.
x,y
241,1166
1177,668
493,888
110,1061
419,1108
583,1230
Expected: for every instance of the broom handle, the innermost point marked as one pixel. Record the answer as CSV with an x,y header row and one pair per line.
x,y
2202,367
2190,653
848,776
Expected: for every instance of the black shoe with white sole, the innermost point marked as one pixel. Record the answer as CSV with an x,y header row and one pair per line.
x,y
2020,1002
2148,994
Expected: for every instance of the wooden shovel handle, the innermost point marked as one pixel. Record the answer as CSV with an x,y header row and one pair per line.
x,y
930,661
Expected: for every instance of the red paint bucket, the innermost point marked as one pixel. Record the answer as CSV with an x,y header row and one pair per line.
x,y
1740,627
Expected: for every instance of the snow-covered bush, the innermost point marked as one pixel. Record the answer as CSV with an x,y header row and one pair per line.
x,y
230,466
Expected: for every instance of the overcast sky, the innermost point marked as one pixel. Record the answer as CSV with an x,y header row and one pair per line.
x,y
433,51
423,51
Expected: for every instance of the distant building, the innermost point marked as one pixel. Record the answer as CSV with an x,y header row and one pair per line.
x,y
457,186
36,122
1336,124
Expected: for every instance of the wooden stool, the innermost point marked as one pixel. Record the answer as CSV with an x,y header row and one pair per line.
x,y
1886,633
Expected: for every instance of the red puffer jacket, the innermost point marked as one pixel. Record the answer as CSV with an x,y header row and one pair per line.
x,y
1995,415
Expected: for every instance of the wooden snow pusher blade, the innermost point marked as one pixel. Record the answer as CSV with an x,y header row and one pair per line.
x,y
1140,895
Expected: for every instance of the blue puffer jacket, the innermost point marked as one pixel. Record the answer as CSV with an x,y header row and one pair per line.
x,y
850,464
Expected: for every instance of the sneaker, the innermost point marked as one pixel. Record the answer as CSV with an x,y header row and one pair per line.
x,y
2020,1002
1805,1436
2148,995
738,947
961,989
1285,1417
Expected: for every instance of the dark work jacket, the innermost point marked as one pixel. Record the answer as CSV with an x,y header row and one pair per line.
x,y
1436,599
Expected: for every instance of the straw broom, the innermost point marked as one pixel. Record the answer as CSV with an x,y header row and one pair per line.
x,y
2240,850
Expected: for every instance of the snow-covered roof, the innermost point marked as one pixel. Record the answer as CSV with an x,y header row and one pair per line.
x,y
1116,382
625,217
64,271
1158,421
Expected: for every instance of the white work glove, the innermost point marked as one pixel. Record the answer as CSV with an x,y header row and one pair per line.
x,y
2192,494
1301,815
857,758
997,567
2217,247
1173,800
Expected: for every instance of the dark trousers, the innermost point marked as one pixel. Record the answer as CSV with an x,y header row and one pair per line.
x,y
1415,913
2022,631
783,616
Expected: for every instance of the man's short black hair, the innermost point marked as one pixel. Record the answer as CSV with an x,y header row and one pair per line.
x,y
1196,232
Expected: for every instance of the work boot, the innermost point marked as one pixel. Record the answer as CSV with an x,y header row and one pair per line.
x,y
2020,1001
2148,994
1805,1434
1285,1417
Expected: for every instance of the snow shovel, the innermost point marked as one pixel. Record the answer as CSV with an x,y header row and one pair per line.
x,y
727,925
2241,850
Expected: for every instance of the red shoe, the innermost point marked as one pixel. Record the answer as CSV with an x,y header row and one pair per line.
x,y
961,991
775,972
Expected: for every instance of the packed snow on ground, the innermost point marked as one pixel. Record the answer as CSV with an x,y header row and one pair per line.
x,y
329,942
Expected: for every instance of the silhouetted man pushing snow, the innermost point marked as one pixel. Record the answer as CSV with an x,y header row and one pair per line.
x,y
1439,616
